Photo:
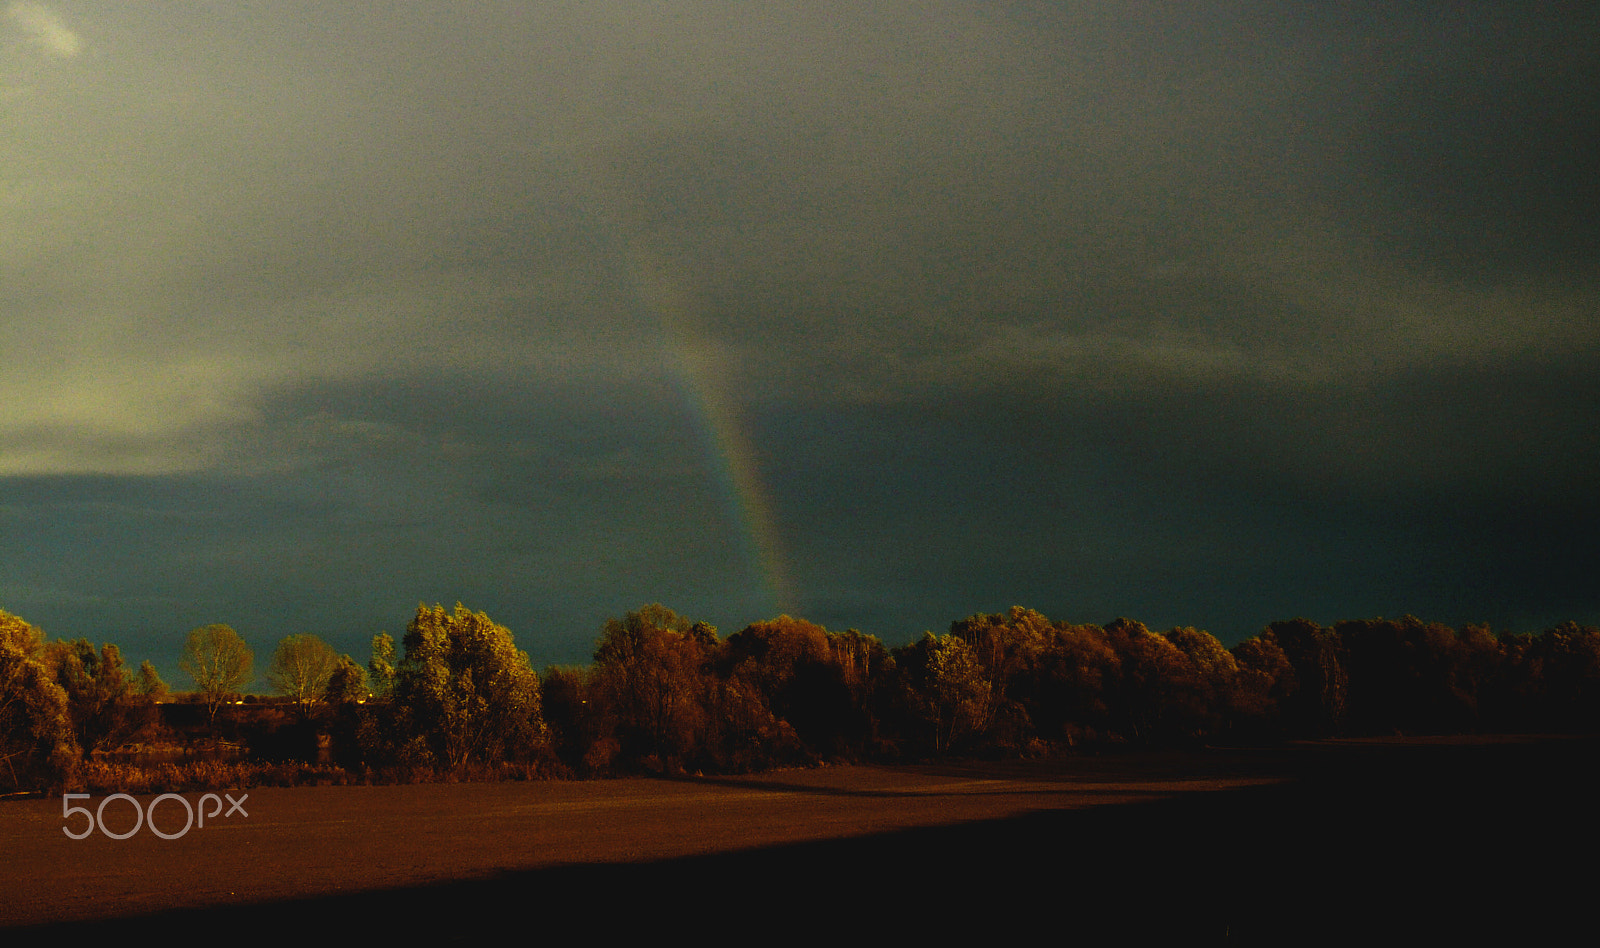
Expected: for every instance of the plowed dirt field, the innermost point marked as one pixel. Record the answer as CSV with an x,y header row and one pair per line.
x,y
1228,845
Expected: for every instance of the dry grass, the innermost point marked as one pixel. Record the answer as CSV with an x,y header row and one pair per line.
x,y
109,776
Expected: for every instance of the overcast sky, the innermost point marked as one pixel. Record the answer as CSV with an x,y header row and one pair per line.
x,y
880,314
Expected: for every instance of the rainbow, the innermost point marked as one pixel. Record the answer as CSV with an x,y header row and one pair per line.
x,y
693,363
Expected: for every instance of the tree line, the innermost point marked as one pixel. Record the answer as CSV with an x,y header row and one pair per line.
x,y
665,693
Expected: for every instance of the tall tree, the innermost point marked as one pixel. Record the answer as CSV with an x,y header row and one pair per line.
x,y
1200,696
1151,671
381,667
1068,688
301,668
466,690
150,683
348,682
36,743
220,664
1265,680
945,686
1008,645
106,709
652,674
1316,706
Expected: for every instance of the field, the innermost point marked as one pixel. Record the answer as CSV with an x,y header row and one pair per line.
x,y
1218,845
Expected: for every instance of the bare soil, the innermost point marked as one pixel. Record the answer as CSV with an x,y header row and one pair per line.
x,y
1221,845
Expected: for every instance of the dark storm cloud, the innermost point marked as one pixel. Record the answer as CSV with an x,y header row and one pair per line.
x,y
1222,506
1204,314
1471,134
1241,193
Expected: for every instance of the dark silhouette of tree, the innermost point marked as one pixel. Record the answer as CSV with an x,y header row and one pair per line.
x,y
347,684
858,664
347,690
1265,680
1567,658
1476,667
567,719
106,709
1315,707
789,665
1407,676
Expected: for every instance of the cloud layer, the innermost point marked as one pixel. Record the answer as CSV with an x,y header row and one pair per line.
x,y
44,29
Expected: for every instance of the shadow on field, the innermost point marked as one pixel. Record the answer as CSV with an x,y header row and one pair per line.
x,y
1369,841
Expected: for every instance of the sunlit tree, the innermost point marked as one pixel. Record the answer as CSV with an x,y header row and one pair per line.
x,y
945,686
1200,695
1008,645
652,674
380,668
348,682
466,690
1078,672
150,683
36,744
220,664
301,668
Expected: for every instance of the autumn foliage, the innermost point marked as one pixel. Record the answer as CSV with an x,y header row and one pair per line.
x,y
666,694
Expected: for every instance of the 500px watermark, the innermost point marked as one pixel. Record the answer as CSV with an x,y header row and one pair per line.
x,y
96,817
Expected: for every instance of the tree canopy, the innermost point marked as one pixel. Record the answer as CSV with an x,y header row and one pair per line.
x,y
219,662
35,730
301,668
667,694
465,691
105,706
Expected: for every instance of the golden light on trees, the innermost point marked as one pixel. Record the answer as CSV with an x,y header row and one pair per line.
x,y
466,690
301,669
219,662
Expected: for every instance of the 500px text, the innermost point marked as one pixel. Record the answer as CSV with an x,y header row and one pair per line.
x,y
96,817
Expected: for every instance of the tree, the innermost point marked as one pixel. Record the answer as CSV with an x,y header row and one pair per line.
x,y
301,669
219,662
465,689
945,686
1200,695
1068,685
1316,706
36,743
105,708
150,683
787,671
563,697
1266,679
1008,645
651,675
1151,672
348,683
381,666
